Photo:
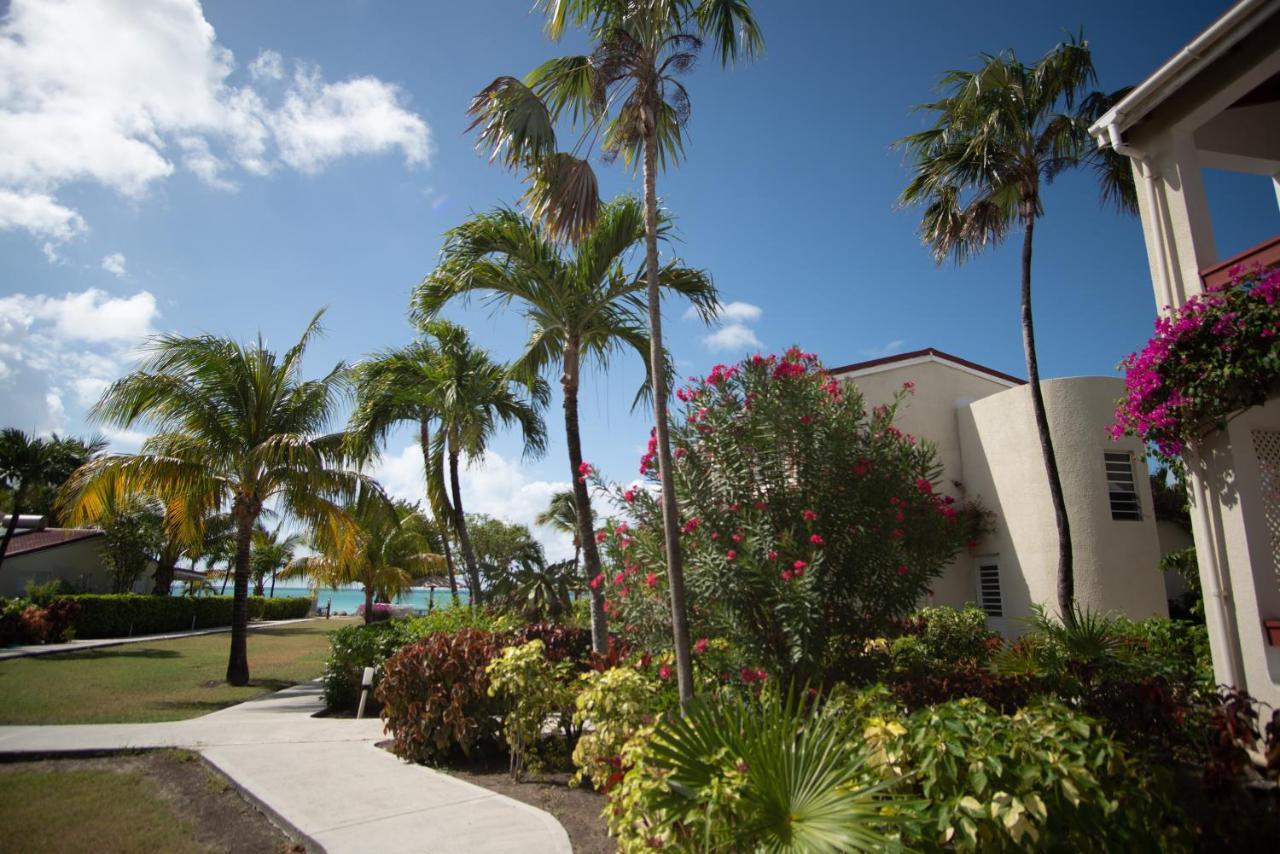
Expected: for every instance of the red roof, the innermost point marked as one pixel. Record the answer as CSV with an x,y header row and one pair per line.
x,y
928,351
25,542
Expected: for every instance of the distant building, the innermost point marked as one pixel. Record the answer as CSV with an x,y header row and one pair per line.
x,y
38,555
981,422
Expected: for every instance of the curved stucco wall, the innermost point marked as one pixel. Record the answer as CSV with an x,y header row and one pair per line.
x,y
1115,561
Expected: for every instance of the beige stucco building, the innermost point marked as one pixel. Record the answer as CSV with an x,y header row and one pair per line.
x,y
1216,104
42,555
981,423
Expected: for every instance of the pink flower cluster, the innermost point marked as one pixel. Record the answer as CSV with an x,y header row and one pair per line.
x,y
1210,357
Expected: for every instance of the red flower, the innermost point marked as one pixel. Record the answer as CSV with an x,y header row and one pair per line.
x,y
619,578
902,569
731,554
700,646
691,526
786,575
651,580
601,535
773,555
761,506
925,487
809,515
909,386
736,537
585,471
897,533
806,419
597,581
664,672
817,540
734,508
753,674
629,495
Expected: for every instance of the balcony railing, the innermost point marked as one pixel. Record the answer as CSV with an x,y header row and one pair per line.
x,y
1265,254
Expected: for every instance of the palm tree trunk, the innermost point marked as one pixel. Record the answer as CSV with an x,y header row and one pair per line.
x,y
424,441
582,498
18,497
226,575
272,595
1066,573
238,663
164,576
460,525
368,604
658,377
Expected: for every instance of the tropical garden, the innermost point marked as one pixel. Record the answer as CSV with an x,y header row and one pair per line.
x,y
735,658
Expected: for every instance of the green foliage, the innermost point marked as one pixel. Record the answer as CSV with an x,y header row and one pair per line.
x,y
32,469
1183,563
616,703
435,696
952,635
534,690
131,538
127,614
353,648
758,774
806,518
1046,778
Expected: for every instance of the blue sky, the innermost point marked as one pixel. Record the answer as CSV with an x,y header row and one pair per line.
x,y
234,167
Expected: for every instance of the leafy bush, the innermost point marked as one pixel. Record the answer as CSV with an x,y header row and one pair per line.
x,y
806,517
353,648
737,774
611,706
24,622
1046,778
562,643
533,690
435,696
127,614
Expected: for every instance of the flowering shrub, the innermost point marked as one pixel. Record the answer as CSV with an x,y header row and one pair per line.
x,y
1217,354
612,706
807,519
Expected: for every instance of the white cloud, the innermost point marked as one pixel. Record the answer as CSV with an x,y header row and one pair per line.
x,y
114,264
732,330
889,349
37,214
494,485
268,66
53,349
106,92
732,338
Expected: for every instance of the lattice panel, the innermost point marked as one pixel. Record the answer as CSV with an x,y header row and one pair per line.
x,y
1266,444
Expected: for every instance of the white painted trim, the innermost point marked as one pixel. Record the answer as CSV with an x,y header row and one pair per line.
x,y
1221,35
924,360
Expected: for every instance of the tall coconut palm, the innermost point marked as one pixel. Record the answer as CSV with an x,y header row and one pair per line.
x,y
273,550
236,426
383,552
626,94
473,396
396,387
582,307
30,465
999,134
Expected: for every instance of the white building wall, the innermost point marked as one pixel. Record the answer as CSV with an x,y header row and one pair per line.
x,y
78,562
1114,561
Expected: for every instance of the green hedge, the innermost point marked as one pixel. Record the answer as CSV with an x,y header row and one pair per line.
x,y
126,614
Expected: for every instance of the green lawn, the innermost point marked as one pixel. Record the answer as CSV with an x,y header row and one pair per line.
x,y
157,681
101,811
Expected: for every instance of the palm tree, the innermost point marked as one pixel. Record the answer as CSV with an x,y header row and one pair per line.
x,y
31,465
561,515
999,133
272,552
395,387
627,95
581,307
472,396
236,426
383,552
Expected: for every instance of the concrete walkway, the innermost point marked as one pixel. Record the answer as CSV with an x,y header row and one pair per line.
x,y
323,778
80,645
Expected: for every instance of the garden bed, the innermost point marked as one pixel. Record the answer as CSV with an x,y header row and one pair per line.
x,y
163,801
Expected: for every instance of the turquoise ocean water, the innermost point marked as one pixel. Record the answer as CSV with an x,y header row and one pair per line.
x,y
347,600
